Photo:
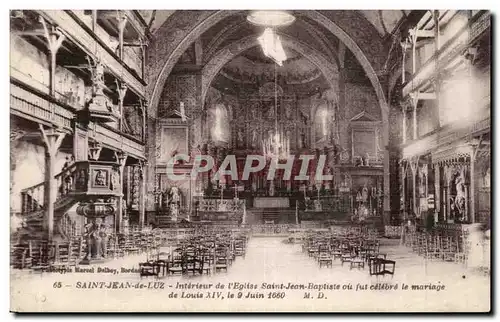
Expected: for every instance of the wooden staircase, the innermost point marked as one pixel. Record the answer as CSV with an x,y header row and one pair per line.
x,y
74,184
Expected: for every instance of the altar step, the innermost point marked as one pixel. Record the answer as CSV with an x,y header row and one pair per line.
x,y
274,215
163,221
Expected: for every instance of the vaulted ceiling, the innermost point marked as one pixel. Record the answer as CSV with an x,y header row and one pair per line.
x,y
385,21
321,44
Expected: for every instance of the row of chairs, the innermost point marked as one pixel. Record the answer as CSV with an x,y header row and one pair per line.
x,y
439,245
357,251
196,255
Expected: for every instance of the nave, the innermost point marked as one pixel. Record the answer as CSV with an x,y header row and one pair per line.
x,y
270,260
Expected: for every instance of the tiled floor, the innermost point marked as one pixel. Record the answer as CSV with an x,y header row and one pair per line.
x,y
268,260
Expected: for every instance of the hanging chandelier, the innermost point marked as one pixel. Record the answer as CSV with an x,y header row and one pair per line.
x,y
277,144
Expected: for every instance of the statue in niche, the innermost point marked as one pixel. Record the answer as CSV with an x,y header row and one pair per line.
x,y
364,194
270,112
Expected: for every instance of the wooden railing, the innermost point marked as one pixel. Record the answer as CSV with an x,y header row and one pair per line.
x,y
449,51
30,103
339,203
221,205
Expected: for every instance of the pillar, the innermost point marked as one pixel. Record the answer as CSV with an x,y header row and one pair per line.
x,y
473,182
415,130
403,188
437,188
54,40
142,193
404,122
447,192
121,159
52,139
414,169
121,89
121,28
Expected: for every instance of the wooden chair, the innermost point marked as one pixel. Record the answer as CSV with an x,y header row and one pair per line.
x,y
382,267
359,262
176,265
324,257
162,261
148,268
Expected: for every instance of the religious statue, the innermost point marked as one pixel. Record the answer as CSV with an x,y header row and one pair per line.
x,y
103,235
421,183
364,194
81,180
254,138
486,178
270,112
96,234
174,194
115,179
288,111
366,162
460,197
254,112
173,202
100,178
303,139
240,138
174,211
271,188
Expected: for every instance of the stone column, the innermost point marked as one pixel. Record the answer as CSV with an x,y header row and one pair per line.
x,y
52,139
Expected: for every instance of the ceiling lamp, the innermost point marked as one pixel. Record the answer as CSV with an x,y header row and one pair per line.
x,y
275,18
272,47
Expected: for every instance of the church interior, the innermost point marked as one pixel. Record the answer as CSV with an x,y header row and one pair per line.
x,y
382,117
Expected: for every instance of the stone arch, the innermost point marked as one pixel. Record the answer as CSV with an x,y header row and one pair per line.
x,y
366,42
179,37
211,69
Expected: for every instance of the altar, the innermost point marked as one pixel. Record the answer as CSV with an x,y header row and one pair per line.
x,y
271,202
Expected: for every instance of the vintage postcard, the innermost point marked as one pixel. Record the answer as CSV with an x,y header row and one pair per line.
x,y
250,161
